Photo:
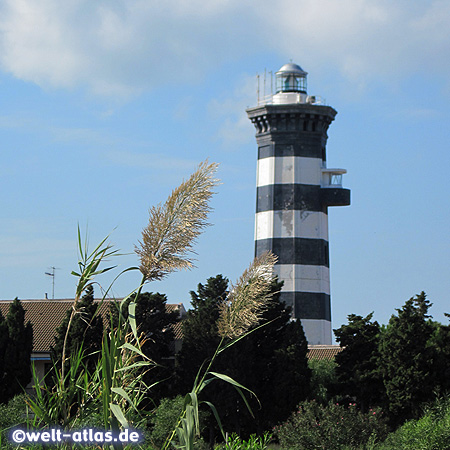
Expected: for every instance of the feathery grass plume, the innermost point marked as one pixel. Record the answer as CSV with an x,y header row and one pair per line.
x,y
247,299
174,226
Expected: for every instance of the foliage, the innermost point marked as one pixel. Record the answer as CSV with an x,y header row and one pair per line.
x,y
258,278
16,347
271,361
331,427
234,442
440,341
12,414
86,331
407,360
359,360
155,323
323,379
165,418
430,432
200,336
116,387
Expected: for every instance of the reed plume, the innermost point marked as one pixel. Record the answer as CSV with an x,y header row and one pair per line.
x,y
172,228
247,299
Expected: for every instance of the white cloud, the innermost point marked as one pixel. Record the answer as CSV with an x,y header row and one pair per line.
x,y
235,127
118,47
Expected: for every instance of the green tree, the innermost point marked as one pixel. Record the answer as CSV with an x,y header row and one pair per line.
x,y
358,362
17,354
407,360
155,325
200,336
271,361
440,341
85,332
4,338
323,379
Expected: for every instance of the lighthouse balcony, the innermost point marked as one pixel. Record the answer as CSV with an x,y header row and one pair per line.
x,y
332,193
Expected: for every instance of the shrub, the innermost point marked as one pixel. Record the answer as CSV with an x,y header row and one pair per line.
x,y
234,442
323,379
430,432
165,419
330,427
12,414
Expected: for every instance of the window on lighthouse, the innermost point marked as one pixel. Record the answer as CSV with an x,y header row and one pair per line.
x,y
291,83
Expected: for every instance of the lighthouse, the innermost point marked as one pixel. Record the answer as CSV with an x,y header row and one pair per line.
x,y
294,190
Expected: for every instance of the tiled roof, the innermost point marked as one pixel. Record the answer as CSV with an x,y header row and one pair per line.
x,y
323,351
47,315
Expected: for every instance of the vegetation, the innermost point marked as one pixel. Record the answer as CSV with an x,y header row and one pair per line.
x,y
16,344
243,359
407,360
271,361
331,427
85,332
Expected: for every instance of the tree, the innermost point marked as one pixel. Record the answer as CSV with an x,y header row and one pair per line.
x,y
4,338
440,341
407,359
358,362
155,324
17,352
271,361
200,337
86,331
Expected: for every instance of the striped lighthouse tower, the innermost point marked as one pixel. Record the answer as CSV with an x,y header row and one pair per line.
x,y
294,190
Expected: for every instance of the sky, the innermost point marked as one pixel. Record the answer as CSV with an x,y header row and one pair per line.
x,y
107,105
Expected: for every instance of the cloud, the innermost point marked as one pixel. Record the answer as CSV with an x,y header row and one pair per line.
x,y
235,127
121,48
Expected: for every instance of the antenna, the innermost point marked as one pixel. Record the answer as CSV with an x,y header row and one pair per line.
x,y
257,89
52,274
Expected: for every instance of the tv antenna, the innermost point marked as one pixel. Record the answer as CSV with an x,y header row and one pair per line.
x,y
52,274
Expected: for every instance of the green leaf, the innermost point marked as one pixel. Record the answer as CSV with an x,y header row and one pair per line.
x,y
237,386
132,318
123,394
216,415
117,411
134,349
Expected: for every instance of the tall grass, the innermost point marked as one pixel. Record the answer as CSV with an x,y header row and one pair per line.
x,y
114,391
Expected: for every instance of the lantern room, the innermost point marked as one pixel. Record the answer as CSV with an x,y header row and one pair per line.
x,y
291,78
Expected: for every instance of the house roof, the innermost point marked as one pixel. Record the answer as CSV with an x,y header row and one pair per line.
x,y
47,315
323,351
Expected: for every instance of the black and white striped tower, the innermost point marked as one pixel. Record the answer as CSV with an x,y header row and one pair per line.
x,y
294,190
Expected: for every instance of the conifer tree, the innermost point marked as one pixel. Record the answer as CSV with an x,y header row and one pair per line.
x,y
4,337
271,361
17,354
155,325
407,359
200,336
358,362
85,332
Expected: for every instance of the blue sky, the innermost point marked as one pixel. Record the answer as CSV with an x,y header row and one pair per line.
x,y
106,106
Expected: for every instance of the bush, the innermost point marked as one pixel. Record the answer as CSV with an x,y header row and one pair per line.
x,y
234,442
11,415
165,420
430,432
323,379
330,427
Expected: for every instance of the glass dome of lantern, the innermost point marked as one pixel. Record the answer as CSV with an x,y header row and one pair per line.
x,y
291,78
